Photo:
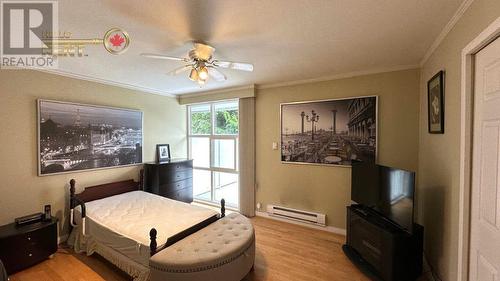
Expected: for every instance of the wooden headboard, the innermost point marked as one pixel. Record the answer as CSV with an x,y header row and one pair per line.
x,y
92,193
96,192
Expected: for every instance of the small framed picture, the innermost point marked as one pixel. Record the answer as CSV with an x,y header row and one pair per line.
x,y
435,99
162,152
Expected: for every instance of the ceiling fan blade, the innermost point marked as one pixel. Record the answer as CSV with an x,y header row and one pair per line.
x,y
156,56
216,74
234,65
179,70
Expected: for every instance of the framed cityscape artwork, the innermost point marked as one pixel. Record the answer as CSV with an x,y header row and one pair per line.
x,y
76,137
329,132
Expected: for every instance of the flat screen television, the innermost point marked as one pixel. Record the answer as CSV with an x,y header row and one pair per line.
x,y
388,191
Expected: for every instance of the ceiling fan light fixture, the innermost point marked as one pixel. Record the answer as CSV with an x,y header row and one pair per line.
x,y
193,76
203,73
198,62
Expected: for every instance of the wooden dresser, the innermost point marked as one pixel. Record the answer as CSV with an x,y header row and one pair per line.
x,y
24,246
173,179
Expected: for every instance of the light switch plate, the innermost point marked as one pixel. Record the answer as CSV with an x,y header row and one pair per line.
x,y
275,146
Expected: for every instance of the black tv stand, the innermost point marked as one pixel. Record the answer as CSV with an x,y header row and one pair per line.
x,y
380,249
360,263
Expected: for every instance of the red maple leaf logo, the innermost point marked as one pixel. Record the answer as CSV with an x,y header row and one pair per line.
x,y
116,40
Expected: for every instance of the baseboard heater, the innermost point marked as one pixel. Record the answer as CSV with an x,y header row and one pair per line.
x,y
296,215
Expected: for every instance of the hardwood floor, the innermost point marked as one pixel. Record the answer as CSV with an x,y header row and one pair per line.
x,y
284,252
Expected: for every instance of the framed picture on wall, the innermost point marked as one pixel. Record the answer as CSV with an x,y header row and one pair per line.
x,y
162,152
76,137
435,106
329,132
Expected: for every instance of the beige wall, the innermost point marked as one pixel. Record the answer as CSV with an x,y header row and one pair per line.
x,y
439,154
22,192
327,189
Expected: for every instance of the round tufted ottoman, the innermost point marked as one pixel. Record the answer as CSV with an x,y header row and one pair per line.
x,y
224,250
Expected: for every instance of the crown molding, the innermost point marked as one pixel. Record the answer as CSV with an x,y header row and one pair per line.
x,y
232,89
447,28
338,76
104,81
302,81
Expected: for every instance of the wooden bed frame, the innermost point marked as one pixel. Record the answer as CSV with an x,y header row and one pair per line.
x,y
106,190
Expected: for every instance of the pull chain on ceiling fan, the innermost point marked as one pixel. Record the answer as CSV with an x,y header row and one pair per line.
x,y
201,64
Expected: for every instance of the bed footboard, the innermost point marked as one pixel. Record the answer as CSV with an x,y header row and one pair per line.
x,y
153,246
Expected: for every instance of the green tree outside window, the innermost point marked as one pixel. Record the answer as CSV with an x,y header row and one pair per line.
x,y
200,123
226,122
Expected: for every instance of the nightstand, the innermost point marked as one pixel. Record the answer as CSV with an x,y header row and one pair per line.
x,y
24,246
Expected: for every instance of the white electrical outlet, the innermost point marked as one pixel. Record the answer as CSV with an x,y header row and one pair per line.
x,y
258,206
275,146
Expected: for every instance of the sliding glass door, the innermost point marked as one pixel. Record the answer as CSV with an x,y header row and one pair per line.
x,y
213,145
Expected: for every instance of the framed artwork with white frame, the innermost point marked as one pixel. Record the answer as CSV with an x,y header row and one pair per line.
x,y
329,132
80,137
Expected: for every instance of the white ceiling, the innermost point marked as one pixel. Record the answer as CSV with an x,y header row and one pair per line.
x,y
286,40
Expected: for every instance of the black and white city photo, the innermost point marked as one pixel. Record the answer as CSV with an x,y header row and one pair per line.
x,y
75,137
333,132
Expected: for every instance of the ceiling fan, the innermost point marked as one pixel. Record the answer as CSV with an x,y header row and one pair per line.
x,y
202,64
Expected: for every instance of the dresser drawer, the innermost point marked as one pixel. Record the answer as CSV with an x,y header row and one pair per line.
x,y
41,236
34,254
184,195
181,166
174,167
175,186
175,176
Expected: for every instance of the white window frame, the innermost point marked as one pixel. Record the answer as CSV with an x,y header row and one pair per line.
x,y
212,138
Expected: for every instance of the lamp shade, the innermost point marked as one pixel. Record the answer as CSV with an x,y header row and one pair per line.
x,y
193,76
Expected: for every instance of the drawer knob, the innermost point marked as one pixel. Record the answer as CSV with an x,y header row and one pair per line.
x,y
30,254
29,238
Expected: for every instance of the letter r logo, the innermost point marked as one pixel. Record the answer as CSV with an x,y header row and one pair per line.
x,y
23,26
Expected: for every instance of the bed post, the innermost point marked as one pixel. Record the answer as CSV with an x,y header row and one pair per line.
x,y
141,179
222,208
71,202
71,193
152,245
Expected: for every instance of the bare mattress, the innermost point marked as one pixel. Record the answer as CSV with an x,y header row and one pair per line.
x,y
122,222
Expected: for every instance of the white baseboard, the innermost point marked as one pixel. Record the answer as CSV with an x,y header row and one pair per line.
x,y
331,229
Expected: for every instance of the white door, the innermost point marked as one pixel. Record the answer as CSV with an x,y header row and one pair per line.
x,y
485,208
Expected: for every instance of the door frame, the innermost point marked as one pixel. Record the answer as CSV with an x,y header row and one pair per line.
x,y
487,36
